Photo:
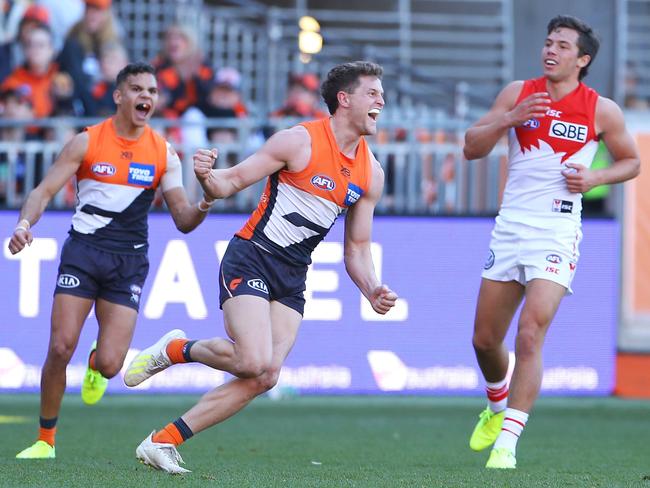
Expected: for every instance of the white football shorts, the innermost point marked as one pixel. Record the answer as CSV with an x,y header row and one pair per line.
x,y
522,253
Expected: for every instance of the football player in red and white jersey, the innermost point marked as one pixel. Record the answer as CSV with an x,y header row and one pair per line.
x,y
553,125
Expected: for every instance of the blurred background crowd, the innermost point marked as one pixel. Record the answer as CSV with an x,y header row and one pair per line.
x,y
59,60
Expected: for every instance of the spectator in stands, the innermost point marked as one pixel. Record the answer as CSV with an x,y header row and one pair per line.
x,y
302,98
63,15
112,59
15,17
184,79
83,44
224,101
40,76
15,104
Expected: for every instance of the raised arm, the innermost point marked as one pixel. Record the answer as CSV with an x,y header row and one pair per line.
x,y
481,138
290,148
186,216
65,166
358,237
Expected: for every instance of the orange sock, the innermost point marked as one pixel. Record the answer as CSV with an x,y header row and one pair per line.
x,y
47,435
169,435
175,350
91,360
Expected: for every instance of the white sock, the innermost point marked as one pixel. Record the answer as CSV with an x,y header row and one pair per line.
x,y
497,394
513,425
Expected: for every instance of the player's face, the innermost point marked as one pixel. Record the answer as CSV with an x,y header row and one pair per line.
x,y
136,98
560,55
366,103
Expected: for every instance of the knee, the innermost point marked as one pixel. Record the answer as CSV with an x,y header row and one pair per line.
x,y
61,350
528,342
268,379
108,367
483,342
251,368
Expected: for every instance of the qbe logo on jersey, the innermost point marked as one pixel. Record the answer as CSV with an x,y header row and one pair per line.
x,y
568,131
141,174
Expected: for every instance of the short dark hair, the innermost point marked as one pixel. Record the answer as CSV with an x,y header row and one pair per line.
x,y
345,77
133,69
588,42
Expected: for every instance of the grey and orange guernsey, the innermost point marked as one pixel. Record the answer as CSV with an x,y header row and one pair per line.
x,y
116,184
297,209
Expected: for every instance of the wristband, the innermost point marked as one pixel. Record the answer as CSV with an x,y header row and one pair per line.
x,y
207,205
20,225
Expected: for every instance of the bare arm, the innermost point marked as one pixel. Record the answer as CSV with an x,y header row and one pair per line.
x,y
481,138
185,215
626,165
290,148
65,166
358,258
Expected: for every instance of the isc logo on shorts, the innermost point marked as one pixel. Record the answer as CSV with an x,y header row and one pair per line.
x,y
568,131
141,174
67,281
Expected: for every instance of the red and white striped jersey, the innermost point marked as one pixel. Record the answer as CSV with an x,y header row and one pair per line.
x,y
536,192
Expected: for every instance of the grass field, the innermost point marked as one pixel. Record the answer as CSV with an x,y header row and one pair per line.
x,y
332,442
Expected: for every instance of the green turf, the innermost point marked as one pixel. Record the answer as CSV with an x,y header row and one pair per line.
x,y
333,442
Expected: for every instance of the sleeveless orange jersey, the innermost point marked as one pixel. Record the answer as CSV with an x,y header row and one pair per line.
x,y
297,209
116,183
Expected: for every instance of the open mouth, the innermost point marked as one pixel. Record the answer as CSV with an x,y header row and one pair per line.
x,y
373,113
143,108
550,62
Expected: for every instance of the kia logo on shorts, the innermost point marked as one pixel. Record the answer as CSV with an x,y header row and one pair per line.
x,y
67,281
323,182
258,284
103,169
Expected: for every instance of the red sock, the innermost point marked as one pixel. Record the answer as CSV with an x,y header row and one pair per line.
x,y
175,350
47,435
91,360
169,435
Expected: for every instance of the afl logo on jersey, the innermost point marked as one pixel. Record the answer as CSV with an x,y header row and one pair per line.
x,y
323,182
103,169
531,124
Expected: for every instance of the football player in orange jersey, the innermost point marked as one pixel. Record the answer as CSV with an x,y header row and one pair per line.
x,y
316,171
118,164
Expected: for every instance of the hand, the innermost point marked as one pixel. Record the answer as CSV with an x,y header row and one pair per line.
x,y
579,179
533,106
382,299
204,160
21,237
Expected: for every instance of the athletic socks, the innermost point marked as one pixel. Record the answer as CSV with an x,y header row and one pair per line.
x,y
175,433
91,360
514,422
47,430
178,350
497,394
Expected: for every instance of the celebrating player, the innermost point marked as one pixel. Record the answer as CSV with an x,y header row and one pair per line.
x,y
118,163
316,171
554,124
